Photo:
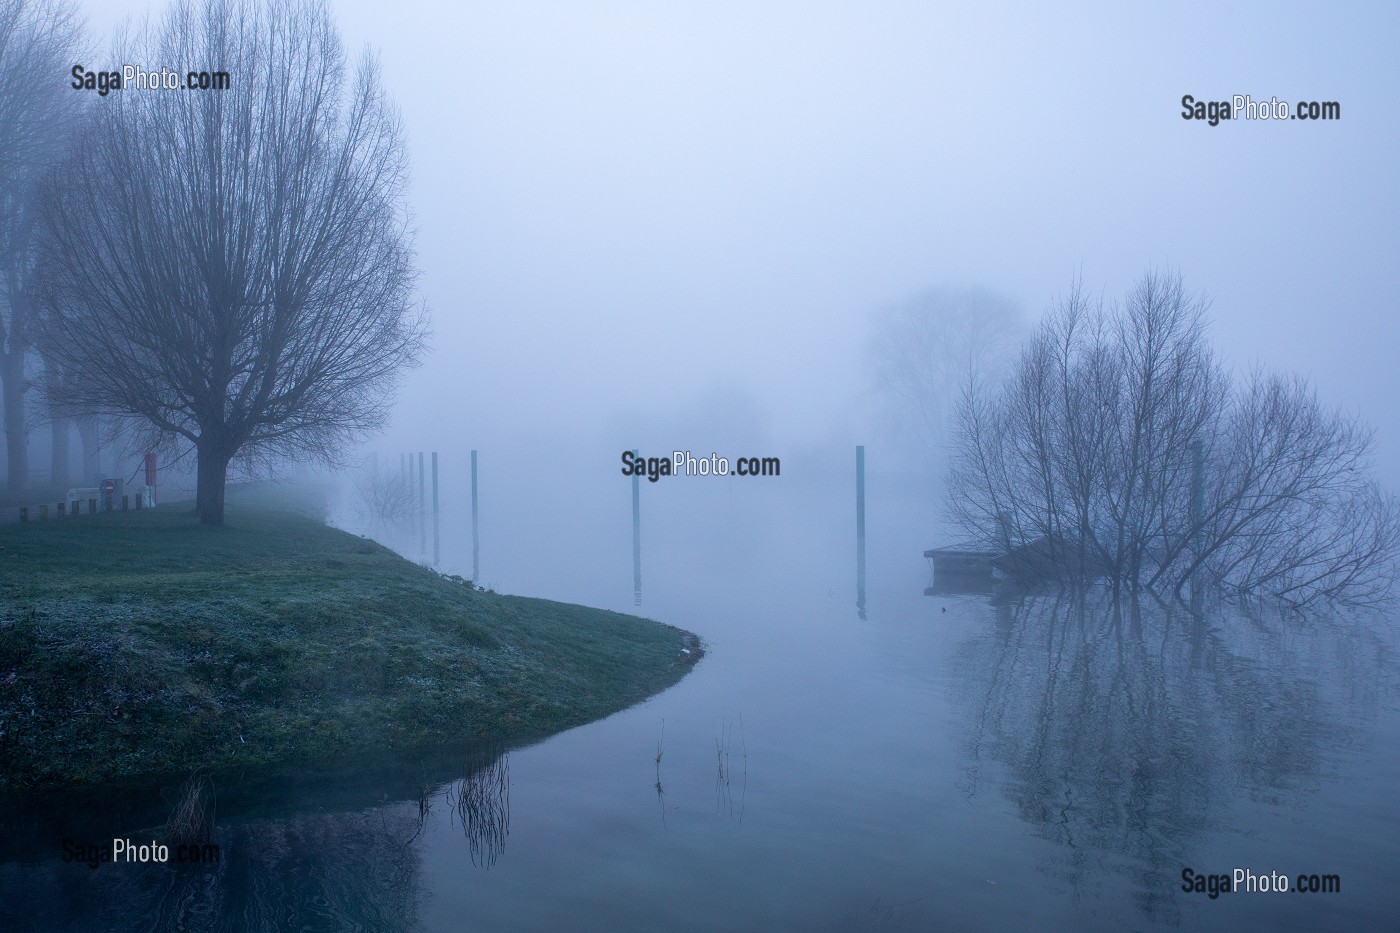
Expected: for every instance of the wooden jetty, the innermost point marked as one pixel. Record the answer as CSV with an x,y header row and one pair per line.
x,y
1039,560
961,562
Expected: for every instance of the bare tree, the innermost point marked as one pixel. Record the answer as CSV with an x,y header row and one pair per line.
x,y
386,501
234,267
1119,448
38,39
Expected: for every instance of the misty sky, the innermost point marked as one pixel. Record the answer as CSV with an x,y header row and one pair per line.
x,y
682,214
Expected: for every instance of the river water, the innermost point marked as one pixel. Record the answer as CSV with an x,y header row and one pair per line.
x,y
954,761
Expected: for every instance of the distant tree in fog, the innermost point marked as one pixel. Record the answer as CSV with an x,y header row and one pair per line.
x,y
1119,448
385,501
234,268
924,351
38,42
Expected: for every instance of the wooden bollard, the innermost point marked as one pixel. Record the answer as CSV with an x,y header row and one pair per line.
x,y
44,512
92,506
138,502
24,514
124,498
62,507
107,503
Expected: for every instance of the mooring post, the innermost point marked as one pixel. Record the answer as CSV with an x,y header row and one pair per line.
x,y
125,501
435,511
636,535
476,540
61,507
860,528
92,506
24,514
422,509
44,512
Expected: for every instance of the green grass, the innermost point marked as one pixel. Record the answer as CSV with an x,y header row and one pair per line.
x,y
143,643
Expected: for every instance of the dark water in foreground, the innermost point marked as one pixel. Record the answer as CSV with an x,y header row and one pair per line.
x,y
949,762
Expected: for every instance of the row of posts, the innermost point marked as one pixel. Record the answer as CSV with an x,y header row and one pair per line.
x,y
62,511
412,472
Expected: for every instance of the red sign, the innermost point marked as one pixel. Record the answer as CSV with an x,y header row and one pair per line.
x,y
109,488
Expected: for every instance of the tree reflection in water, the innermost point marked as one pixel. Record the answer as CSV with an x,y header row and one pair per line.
x,y
1130,732
316,871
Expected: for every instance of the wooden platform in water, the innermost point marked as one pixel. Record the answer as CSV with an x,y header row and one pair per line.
x,y
961,562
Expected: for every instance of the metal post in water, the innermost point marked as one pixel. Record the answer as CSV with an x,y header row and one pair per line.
x,y
476,540
860,529
422,509
636,536
435,511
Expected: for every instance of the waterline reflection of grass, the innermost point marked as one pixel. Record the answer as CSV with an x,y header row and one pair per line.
x,y
481,802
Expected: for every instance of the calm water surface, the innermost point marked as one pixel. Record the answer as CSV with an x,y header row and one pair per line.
x,y
947,762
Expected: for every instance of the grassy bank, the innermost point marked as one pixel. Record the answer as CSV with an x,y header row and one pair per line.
x,y
143,643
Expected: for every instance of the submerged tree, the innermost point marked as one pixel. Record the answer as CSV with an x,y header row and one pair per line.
x,y
234,268
1120,449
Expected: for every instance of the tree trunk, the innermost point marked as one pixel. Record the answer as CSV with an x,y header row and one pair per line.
x,y
16,429
209,485
60,461
60,430
92,450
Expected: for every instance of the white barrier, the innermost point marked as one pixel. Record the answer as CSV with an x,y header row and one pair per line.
x,y
79,496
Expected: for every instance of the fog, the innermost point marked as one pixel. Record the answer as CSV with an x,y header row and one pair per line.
x,y
671,223
695,227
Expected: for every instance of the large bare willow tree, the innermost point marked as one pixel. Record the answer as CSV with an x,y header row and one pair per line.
x,y
1120,449
234,268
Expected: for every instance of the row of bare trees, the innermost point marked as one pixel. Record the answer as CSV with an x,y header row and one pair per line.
x,y
228,273
1120,448
39,40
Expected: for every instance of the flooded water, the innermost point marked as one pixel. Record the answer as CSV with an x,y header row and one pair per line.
x,y
945,762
